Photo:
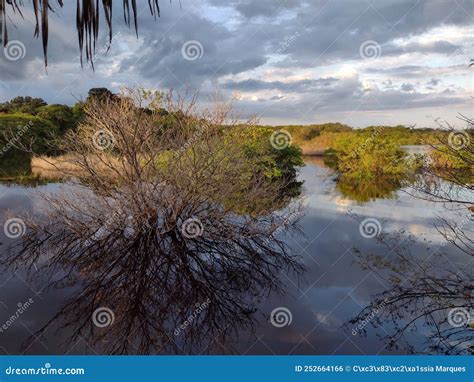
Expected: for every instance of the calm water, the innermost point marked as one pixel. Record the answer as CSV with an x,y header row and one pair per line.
x,y
333,288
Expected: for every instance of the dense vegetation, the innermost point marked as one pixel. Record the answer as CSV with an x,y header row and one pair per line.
x,y
369,162
38,128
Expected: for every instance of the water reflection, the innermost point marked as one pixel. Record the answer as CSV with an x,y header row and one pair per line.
x,y
360,190
14,165
335,287
143,277
432,296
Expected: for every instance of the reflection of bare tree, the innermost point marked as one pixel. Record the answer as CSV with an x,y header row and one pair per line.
x,y
423,297
153,281
435,296
155,226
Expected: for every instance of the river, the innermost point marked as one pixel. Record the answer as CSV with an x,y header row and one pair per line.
x,y
333,288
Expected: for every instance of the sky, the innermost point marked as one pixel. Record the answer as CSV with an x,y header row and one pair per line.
x,y
359,62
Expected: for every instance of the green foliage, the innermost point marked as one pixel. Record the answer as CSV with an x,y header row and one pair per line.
x,y
302,133
100,93
78,112
27,105
367,158
275,164
453,165
25,128
14,164
369,166
61,116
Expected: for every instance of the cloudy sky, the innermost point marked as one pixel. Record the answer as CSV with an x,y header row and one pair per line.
x,y
359,62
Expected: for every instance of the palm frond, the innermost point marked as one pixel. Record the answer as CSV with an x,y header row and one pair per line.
x,y
87,21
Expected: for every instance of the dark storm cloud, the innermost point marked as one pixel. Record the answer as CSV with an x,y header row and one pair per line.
x,y
223,52
247,39
252,8
407,87
293,86
417,71
441,47
334,31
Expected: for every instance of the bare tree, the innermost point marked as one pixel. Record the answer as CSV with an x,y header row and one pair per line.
x,y
162,211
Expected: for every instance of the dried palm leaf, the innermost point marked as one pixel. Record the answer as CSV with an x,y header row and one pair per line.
x,y
87,21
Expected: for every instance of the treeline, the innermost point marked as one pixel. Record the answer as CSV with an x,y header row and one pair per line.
x,y
45,122
34,120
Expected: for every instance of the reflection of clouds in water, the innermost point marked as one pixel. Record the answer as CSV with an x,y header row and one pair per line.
x,y
405,212
335,288
330,323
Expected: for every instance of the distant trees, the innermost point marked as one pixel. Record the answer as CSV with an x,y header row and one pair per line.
x,y
188,209
102,94
27,105
437,293
60,115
